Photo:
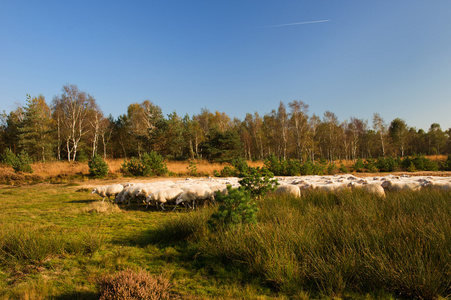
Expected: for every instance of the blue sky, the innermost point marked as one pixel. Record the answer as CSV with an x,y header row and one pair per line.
x,y
390,57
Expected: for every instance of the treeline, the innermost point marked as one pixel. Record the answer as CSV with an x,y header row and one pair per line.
x,y
73,127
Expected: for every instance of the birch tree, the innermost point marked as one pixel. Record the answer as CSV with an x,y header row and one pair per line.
x,y
73,107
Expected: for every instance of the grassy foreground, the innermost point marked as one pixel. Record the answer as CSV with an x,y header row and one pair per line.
x,y
56,241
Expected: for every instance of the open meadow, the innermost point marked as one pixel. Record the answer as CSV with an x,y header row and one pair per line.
x,y
58,240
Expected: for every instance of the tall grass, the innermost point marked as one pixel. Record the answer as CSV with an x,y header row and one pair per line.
x,y
339,244
33,244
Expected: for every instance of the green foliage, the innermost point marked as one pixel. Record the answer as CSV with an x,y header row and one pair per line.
x,y
155,163
228,172
98,168
332,169
240,164
235,208
358,166
8,157
418,163
22,163
258,181
192,168
293,167
370,165
82,156
222,146
387,164
343,169
150,164
447,164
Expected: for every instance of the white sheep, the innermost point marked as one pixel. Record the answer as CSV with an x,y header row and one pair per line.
x,y
441,185
108,190
288,190
391,185
330,188
372,188
193,194
163,196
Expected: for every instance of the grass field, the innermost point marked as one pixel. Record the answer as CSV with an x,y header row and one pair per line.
x,y
57,240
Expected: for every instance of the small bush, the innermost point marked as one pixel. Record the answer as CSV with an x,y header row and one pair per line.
x,y
8,157
139,285
258,181
150,164
358,166
192,168
155,163
228,172
447,164
237,207
343,169
98,168
22,163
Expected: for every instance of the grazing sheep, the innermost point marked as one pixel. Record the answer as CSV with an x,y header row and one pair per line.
x,y
108,190
288,190
163,196
391,185
193,194
130,193
441,185
372,188
334,187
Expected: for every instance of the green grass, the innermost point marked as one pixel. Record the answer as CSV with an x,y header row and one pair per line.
x,y
56,241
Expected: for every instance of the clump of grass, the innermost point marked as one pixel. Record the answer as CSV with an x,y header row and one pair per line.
x,y
102,207
138,285
32,244
182,228
344,243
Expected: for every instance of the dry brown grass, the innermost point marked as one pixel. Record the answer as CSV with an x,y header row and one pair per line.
x,y
102,207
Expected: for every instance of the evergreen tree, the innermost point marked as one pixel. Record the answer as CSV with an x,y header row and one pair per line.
x,y
35,130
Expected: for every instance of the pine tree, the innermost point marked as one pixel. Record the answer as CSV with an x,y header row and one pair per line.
x,y
35,130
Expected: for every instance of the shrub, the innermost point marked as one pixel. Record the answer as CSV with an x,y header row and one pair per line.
x,y
155,163
370,165
258,181
98,168
332,169
294,167
447,164
150,164
8,157
343,169
228,172
274,165
240,164
22,163
358,166
134,285
192,168
237,207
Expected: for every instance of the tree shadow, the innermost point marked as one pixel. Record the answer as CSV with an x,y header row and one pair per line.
x,y
85,295
82,201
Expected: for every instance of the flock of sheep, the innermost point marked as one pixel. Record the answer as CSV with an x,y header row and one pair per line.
x,y
192,192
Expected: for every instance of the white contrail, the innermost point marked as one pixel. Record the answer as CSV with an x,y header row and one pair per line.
x,y
298,23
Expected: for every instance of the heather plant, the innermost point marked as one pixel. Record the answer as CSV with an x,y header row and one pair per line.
x,y
98,168
135,285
